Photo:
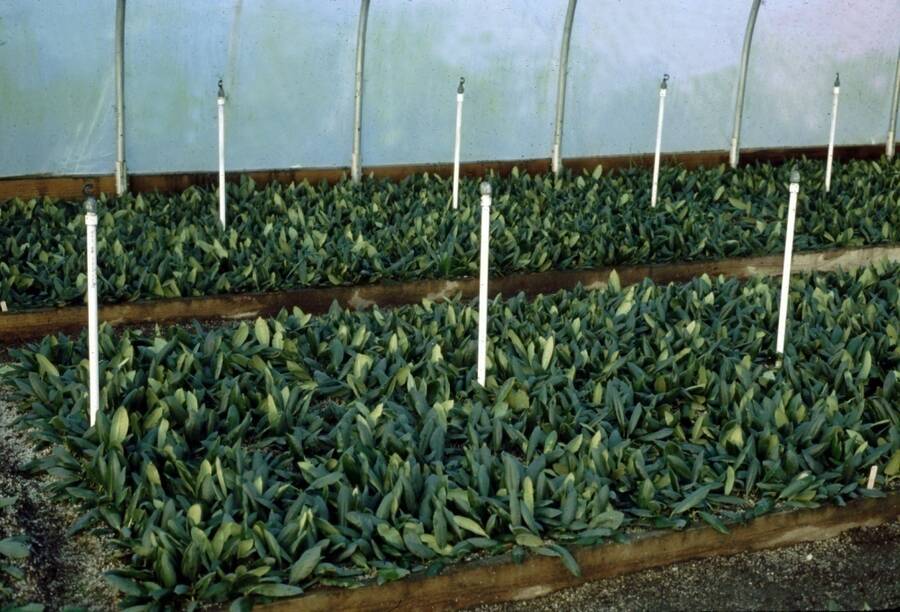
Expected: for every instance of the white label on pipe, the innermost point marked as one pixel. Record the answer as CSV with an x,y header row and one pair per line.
x,y
873,472
786,269
3,307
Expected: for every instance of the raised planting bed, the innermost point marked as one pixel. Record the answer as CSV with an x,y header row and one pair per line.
x,y
257,461
299,235
855,570
505,578
36,323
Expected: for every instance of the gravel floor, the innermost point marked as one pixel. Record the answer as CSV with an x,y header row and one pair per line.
x,y
857,570
62,572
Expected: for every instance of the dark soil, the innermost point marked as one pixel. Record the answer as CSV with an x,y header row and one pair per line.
x,y
857,570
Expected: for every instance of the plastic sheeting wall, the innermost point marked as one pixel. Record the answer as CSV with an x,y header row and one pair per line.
x,y
288,67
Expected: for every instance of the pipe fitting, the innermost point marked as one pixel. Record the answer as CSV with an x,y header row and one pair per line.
x,y
795,181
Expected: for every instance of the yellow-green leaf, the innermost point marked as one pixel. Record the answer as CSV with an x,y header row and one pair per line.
x,y
261,331
469,525
118,429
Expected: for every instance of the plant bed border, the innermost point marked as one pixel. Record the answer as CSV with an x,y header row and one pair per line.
x,y
72,186
499,579
21,326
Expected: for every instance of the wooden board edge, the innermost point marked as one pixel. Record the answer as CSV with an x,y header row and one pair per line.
x,y
20,326
71,186
500,579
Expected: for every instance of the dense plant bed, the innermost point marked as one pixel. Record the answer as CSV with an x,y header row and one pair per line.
x,y
262,459
28,325
301,235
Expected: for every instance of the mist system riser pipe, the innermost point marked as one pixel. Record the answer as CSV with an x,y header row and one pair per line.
x,y
786,269
121,168
460,94
90,222
481,366
892,124
659,126
556,155
355,165
734,154
834,108
220,104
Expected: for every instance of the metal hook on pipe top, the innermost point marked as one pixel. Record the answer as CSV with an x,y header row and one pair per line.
x,y
481,366
460,93
220,103
836,92
663,87
794,190
90,222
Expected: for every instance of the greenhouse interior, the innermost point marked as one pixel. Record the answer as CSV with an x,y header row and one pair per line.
x,y
449,304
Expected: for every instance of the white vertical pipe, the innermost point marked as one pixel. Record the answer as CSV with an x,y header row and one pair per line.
x,y
555,160
895,102
659,125
483,281
834,109
121,168
742,85
90,222
786,269
220,103
355,170
460,93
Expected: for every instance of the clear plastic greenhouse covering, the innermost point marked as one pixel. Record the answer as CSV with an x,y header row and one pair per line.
x,y
288,68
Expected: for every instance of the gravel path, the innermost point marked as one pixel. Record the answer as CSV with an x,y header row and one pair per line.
x,y
62,571
857,570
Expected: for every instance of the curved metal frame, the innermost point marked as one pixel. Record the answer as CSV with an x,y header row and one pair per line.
x,y
121,168
556,161
742,86
892,125
355,166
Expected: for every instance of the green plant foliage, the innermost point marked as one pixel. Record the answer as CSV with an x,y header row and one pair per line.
x,y
301,235
12,550
259,460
